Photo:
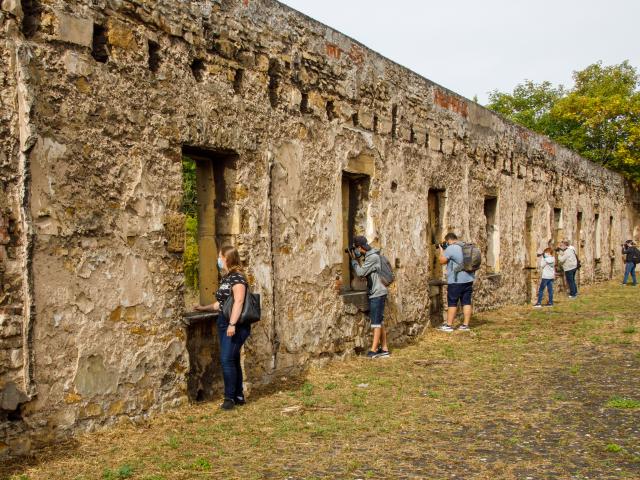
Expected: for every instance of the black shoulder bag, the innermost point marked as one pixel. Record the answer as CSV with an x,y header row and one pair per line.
x,y
250,308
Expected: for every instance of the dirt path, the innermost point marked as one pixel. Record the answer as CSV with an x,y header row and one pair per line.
x,y
529,394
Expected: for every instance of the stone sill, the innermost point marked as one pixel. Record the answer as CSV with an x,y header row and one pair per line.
x,y
493,276
192,318
358,298
437,283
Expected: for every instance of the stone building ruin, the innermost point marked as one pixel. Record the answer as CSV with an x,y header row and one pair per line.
x,y
302,137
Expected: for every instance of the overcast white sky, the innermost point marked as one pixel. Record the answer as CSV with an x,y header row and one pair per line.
x,y
474,46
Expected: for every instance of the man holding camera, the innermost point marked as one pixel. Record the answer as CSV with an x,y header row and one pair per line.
x,y
376,291
460,283
632,257
568,259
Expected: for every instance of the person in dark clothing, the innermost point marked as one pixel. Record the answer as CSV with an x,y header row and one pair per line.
x,y
632,257
231,334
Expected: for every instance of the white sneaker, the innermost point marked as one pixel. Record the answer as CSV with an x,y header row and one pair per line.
x,y
537,305
445,328
464,328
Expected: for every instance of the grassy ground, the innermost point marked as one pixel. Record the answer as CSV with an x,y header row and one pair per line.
x,y
529,394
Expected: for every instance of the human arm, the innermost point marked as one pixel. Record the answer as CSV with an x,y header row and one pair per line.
x,y
369,266
214,307
443,258
239,290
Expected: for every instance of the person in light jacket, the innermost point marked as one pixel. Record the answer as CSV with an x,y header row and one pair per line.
x,y
547,265
568,259
376,291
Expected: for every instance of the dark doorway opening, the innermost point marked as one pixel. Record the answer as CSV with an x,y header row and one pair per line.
x,y
211,218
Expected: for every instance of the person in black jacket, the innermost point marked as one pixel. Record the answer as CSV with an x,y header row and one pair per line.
x,y
632,257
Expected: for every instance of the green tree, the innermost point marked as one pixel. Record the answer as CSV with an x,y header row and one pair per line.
x,y
599,117
190,256
529,105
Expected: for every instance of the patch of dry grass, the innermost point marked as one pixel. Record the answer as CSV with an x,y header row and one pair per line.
x,y
524,395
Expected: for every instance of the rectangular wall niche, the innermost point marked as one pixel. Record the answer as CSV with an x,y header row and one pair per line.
x,y
597,240
355,199
529,237
356,180
557,229
435,234
578,238
492,249
435,231
212,221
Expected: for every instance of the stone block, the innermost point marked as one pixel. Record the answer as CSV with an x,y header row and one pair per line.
x,y
11,396
76,64
120,35
365,118
447,146
384,125
317,102
15,358
74,29
13,7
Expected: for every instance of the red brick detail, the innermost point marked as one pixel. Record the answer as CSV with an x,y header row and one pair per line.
x,y
549,147
334,51
245,3
450,102
523,134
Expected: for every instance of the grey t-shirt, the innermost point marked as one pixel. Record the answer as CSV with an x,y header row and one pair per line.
x,y
453,253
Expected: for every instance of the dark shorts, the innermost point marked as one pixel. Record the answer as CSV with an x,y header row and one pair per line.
x,y
459,292
376,311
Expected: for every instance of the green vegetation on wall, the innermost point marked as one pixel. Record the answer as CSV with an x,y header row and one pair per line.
x,y
190,209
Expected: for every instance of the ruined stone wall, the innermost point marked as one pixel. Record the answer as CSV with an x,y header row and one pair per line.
x,y
119,88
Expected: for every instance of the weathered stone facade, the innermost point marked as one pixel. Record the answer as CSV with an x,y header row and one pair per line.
x,y
99,100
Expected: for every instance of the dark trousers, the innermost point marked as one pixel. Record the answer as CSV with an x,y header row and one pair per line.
x,y
546,283
571,281
630,269
230,357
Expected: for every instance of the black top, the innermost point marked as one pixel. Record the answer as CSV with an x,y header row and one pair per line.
x,y
631,252
227,283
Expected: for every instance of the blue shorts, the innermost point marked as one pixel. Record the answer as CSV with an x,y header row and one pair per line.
x,y
376,311
459,292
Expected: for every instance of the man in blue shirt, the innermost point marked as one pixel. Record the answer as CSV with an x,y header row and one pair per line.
x,y
460,284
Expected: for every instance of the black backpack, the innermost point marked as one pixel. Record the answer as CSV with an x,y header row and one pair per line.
x,y
634,254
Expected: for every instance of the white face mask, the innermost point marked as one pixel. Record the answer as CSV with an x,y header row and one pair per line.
x,y
220,264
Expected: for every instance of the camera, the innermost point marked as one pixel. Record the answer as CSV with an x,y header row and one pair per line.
x,y
351,250
442,245
539,254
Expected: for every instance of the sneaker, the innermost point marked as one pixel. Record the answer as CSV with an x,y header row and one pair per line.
x,y
445,328
571,296
548,305
228,404
239,401
384,353
537,305
464,328
371,354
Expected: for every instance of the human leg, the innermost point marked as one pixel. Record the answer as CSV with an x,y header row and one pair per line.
x,y
227,361
238,340
466,300
540,292
627,272
376,315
